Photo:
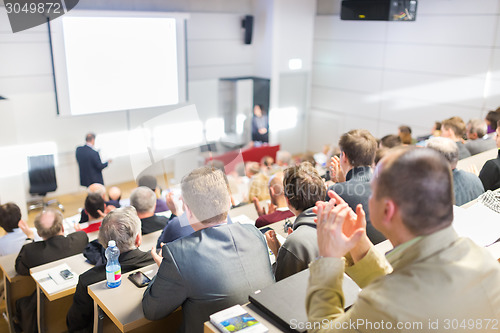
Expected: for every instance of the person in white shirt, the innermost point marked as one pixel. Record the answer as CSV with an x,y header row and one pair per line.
x,y
17,230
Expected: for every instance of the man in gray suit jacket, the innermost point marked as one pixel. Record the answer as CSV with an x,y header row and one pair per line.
x,y
215,267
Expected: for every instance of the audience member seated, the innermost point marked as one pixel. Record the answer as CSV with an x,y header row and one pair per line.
x,y
321,158
278,208
492,119
124,227
94,208
283,158
390,141
466,186
490,173
114,195
214,268
150,181
303,188
430,278
54,246
144,202
404,133
266,163
454,128
258,187
353,173
101,190
17,231
435,132
478,141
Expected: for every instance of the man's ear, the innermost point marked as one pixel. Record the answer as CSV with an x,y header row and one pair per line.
x,y
138,240
271,191
390,210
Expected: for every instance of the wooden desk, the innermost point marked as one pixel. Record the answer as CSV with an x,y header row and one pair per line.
x,y
150,240
127,316
53,307
16,286
247,210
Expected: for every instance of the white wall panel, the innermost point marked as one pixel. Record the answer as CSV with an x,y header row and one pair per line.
x,y
437,59
495,64
451,7
218,52
445,30
350,78
360,104
210,72
15,85
327,128
332,27
419,113
366,54
214,26
492,100
435,88
23,59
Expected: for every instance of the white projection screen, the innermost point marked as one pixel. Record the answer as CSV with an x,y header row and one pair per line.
x,y
113,61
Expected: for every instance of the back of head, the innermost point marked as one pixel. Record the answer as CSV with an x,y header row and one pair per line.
x,y
114,193
143,199
477,126
49,223
359,146
93,203
148,181
10,214
121,225
283,157
456,124
390,141
419,181
446,147
97,188
90,137
252,168
205,193
259,187
404,129
303,186
276,183
493,117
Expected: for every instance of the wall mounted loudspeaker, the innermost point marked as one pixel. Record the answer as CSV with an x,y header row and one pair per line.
x,y
247,24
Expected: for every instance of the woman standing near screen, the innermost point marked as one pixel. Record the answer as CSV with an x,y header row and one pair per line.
x,y
260,126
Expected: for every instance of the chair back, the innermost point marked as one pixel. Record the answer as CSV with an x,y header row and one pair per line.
x,y
42,174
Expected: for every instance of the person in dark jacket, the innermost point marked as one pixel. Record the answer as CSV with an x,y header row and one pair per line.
x,y
124,227
89,162
143,200
303,188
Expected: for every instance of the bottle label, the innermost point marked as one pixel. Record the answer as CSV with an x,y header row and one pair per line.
x,y
114,277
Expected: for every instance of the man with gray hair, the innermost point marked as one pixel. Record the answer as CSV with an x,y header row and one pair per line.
x,y
478,141
143,199
124,227
215,267
466,186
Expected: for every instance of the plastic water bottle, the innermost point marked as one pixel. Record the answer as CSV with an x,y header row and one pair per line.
x,y
113,268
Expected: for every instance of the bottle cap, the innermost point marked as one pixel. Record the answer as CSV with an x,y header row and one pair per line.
x,y
111,243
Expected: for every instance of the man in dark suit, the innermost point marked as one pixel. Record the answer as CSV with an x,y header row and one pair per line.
x,y
55,246
124,227
215,267
143,199
89,162
352,173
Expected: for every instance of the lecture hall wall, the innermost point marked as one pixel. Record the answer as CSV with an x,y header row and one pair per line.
x,y
215,49
379,75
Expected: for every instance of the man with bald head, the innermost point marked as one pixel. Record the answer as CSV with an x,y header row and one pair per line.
x,y
54,246
278,209
432,278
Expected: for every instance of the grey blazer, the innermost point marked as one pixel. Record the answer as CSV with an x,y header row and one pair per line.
x,y
207,271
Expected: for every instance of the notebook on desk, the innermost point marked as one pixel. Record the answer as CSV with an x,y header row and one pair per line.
x,y
285,300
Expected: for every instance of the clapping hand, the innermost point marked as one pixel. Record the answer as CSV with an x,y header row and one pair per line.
x,y
339,228
336,173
